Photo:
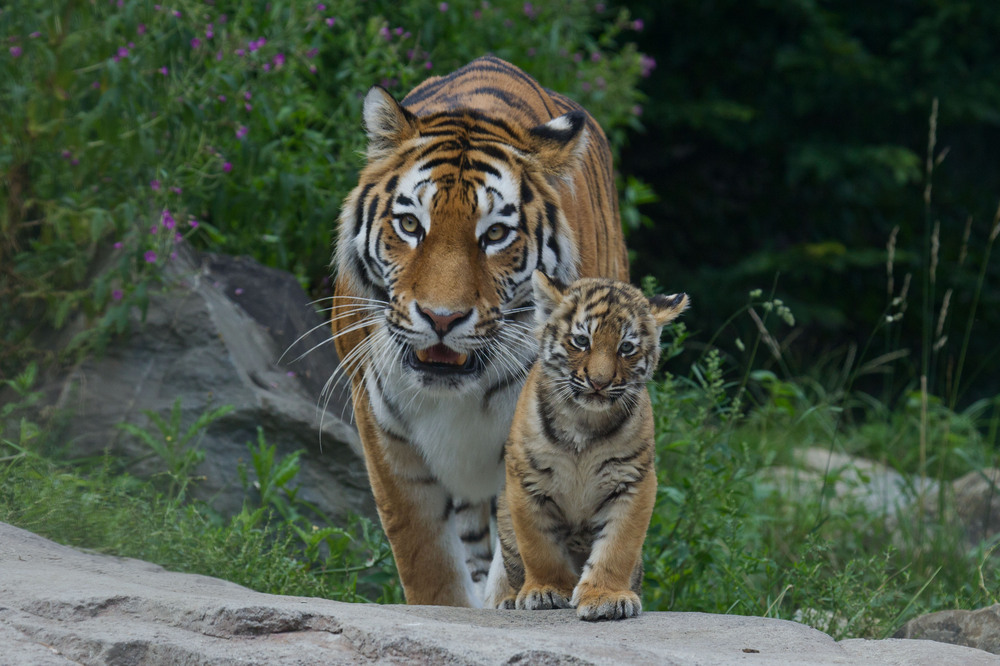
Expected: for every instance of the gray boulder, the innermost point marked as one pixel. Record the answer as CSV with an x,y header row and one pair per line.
x,y
213,336
979,629
62,606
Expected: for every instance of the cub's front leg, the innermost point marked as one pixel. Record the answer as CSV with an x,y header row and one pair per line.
x,y
611,579
548,572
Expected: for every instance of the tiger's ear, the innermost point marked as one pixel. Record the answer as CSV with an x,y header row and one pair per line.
x,y
558,145
548,294
387,122
667,308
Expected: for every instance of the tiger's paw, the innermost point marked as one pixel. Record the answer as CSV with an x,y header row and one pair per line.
x,y
594,604
508,603
543,597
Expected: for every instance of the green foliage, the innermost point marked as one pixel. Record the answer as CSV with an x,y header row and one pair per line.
x,y
737,530
794,140
174,446
237,124
277,544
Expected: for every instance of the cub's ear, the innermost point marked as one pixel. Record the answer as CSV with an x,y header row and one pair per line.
x,y
667,308
548,294
387,122
558,145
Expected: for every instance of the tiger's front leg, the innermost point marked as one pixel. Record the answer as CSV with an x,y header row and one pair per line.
x,y
419,519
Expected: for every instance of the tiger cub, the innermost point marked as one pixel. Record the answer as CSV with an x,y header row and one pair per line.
x,y
580,479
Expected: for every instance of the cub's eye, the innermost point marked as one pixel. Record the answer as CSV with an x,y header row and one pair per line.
x,y
496,233
581,341
626,348
410,226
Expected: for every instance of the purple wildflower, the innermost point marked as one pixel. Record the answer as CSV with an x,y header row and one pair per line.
x,y
194,223
141,29
330,21
118,245
222,98
15,51
195,43
428,65
637,110
177,13
95,84
209,32
386,33
238,291
35,35
122,51
279,60
176,190
311,53
227,167
599,8
150,257
321,7
154,185
164,71
248,106
443,7
242,132
529,10
247,95
638,25
646,65
116,294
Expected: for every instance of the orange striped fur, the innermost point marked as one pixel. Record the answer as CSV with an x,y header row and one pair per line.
x,y
474,181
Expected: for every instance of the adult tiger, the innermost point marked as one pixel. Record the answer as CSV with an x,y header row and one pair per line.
x,y
477,179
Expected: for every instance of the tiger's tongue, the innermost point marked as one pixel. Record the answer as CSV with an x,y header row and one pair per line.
x,y
440,353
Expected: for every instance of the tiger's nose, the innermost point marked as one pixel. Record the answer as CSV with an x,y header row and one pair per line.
x,y
444,322
598,384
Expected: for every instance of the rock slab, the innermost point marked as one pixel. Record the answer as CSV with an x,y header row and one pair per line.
x,y
219,331
63,606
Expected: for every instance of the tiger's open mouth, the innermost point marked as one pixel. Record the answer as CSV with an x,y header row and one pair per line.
x,y
442,359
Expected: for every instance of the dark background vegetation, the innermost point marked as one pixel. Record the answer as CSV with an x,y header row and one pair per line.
x,y
785,140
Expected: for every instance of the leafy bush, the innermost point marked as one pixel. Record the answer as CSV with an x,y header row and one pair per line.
x,y
127,125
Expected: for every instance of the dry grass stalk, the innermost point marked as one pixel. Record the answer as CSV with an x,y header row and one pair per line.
x,y
931,142
765,335
964,252
890,258
935,248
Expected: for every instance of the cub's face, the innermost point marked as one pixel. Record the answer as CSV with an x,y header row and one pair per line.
x,y
600,339
451,216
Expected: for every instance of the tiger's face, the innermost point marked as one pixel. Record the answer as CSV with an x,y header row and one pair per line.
x,y
450,218
600,338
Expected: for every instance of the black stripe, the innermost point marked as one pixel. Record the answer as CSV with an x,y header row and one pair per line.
x,y
390,186
621,459
473,537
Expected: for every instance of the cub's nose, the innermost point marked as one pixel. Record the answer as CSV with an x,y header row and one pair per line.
x,y
444,321
598,384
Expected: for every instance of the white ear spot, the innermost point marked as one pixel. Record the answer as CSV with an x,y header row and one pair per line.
x,y
560,124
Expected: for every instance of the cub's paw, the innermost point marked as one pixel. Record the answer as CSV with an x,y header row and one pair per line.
x,y
544,597
597,604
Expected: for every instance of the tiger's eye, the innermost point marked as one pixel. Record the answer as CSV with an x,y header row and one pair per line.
x,y
581,341
409,224
496,233
626,348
